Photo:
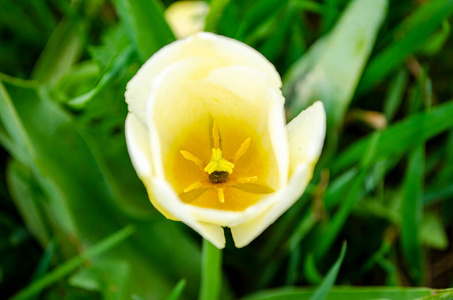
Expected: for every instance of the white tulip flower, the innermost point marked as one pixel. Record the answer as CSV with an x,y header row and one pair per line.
x,y
206,134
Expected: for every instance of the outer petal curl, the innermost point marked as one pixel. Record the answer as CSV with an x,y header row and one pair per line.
x,y
305,138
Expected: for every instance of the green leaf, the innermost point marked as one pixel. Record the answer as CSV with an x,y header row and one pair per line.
x,y
145,25
118,65
395,94
332,67
20,185
408,133
328,282
436,42
411,213
310,270
177,290
211,272
69,266
349,293
330,231
216,8
63,49
424,21
293,267
108,277
256,18
433,232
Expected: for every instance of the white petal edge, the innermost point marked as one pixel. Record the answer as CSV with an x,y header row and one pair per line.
x,y
306,135
226,50
245,233
138,146
174,206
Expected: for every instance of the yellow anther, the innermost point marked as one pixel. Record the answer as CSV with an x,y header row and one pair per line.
x,y
218,163
221,195
189,156
215,135
193,186
241,151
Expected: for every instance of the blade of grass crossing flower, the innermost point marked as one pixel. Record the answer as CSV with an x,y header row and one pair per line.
x,y
211,272
145,25
412,130
331,277
411,213
421,29
69,266
177,290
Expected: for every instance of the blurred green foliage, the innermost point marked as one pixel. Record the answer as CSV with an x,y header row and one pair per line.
x,y
76,222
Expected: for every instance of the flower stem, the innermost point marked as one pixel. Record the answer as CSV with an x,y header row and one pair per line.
x,y
211,272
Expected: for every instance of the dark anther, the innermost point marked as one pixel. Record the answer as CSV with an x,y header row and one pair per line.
x,y
218,177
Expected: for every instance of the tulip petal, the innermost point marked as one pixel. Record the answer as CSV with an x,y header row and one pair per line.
x,y
138,146
139,149
223,50
306,135
172,204
283,199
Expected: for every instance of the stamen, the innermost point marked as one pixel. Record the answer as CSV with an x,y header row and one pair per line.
x,y
215,135
218,163
221,195
193,186
241,151
189,156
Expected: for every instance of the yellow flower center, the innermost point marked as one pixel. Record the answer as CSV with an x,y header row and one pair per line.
x,y
218,171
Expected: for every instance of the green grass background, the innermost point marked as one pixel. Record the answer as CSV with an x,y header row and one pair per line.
x,y
76,223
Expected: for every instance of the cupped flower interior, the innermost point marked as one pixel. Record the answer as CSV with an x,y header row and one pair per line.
x,y
213,125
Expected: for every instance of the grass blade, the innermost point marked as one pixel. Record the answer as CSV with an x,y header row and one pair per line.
x,y
329,280
216,8
432,14
145,24
69,266
335,71
177,291
411,213
349,293
408,133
